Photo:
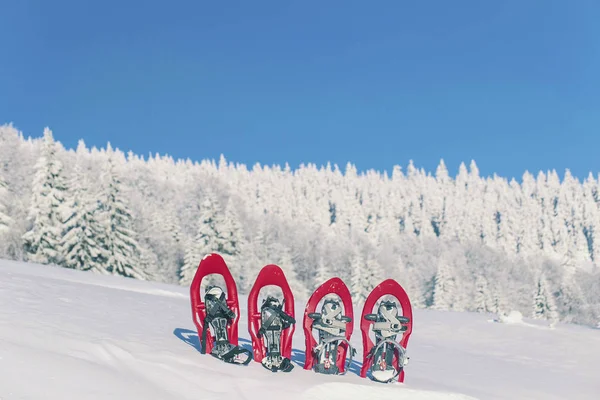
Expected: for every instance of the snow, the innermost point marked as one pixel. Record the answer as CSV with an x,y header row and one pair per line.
x,y
513,317
67,334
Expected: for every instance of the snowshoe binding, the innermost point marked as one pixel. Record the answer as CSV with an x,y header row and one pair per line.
x,y
218,315
273,321
387,324
331,325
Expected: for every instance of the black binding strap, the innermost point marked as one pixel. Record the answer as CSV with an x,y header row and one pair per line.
x,y
219,309
203,339
230,356
286,320
276,311
264,327
212,313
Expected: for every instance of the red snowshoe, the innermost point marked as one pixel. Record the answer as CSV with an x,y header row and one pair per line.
x,y
218,313
272,323
333,354
387,358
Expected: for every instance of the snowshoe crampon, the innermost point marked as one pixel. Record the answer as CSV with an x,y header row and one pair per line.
x,y
216,318
272,328
333,352
386,358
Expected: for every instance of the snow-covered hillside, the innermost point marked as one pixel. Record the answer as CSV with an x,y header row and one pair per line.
x,y
67,334
463,243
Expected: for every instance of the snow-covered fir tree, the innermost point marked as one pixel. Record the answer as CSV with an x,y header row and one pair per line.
x,y
540,300
209,238
80,245
358,289
483,299
444,288
165,240
5,220
260,242
42,240
234,248
570,295
149,263
499,304
372,275
191,261
286,263
122,252
544,305
406,277
411,286
322,274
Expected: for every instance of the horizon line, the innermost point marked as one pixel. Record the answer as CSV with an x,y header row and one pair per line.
x,y
328,166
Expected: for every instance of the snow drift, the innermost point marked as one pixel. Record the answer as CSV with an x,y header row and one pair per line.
x,y
67,334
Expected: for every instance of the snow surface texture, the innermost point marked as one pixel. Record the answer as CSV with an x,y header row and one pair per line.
x,y
68,334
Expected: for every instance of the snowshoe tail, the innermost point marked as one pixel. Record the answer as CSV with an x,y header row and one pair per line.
x,y
382,366
284,365
328,353
235,356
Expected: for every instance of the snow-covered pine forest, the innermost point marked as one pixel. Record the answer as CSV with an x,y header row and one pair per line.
x,y
464,243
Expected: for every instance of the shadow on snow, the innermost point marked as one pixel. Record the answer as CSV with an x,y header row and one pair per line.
x,y
298,356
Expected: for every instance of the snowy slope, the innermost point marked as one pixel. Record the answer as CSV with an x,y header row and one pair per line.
x,y
68,335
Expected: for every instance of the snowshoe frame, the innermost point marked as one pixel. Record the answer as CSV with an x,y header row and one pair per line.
x,y
270,275
214,264
332,286
393,288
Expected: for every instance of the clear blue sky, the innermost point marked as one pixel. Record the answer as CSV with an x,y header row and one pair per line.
x,y
513,84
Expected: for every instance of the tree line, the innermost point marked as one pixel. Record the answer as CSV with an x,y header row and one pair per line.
x,y
484,244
